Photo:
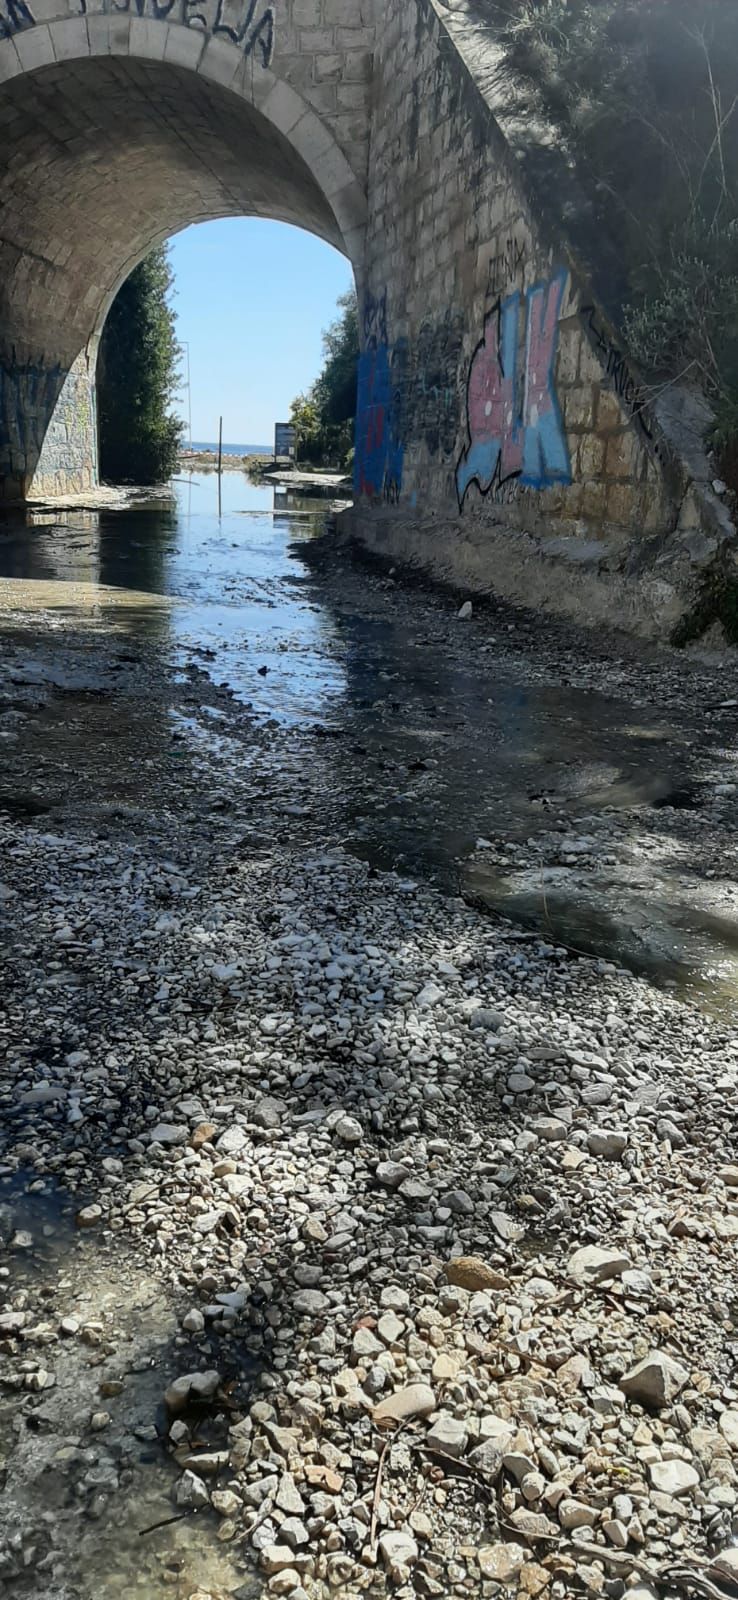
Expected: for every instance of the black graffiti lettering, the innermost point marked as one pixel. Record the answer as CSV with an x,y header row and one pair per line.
x,y
434,403
15,15
617,369
192,18
504,266
263,35
254,32
375,319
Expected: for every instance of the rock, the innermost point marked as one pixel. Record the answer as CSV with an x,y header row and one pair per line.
x,y
169,1133
673,1477
729,1176
654,1382
616,1533
193,1321
289,1498
592,1264
459,1202
728,1426
501,1562
393,1298
322,1477
448,1434
204,1133
276,1558
268,1112
550,1129
466,611
310,1303
233,1141
191,1492
726,1563
415,1400
12,1321
390,1174
607,1142
390,1328
398,1548
365,1345
487,1459
349,1131
575,1514
471,1272
89,1216
532,1524
191,1389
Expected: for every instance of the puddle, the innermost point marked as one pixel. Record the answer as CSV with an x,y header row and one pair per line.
x,y
96,1493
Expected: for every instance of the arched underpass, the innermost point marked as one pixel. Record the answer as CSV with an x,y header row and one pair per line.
x,y
101,159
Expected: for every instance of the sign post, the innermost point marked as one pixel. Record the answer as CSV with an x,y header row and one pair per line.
x,y
284,441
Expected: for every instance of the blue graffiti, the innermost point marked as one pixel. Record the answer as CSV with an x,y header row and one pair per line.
x,y
379,456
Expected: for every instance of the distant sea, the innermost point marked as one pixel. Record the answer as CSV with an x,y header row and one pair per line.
x,y
232,449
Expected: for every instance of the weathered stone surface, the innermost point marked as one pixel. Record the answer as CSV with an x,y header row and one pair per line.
x,y
471,1272
501,1562
656,1381
415,1400
728,1426
673,1477
592,1264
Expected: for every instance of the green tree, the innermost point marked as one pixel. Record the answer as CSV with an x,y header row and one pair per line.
x,y
138,374
325,417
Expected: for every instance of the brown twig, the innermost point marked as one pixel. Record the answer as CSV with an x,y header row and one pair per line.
x,y
165,1522
378,1481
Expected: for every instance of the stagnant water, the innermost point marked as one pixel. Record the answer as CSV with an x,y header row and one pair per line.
x,y
593,806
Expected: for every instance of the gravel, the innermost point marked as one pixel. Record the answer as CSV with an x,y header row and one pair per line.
x,y
439,1217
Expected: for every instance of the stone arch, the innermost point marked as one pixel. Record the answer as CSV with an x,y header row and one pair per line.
x,y
116,131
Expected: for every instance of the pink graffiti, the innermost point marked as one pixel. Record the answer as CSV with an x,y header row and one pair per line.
x,y
491,402
515,425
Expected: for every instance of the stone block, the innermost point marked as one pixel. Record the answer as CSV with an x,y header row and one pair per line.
x,y
610,414
35,48
10,64
184,46
69,38
624,501
591,456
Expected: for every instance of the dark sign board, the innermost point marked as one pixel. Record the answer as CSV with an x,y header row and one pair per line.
x,y
284,439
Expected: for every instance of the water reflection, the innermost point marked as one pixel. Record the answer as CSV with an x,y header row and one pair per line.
x,y
411,740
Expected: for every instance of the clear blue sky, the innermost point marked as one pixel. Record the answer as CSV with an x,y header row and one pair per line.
x,y
251,299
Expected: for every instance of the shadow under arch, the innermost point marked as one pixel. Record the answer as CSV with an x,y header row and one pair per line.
x,y
133,130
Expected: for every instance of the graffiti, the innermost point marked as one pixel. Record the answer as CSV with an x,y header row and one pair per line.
x,y
616,366
514,422
505,265
247,23
405,392
380,448
375,319
14,17
433,399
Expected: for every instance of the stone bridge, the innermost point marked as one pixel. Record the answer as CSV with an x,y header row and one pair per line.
x,y
503,439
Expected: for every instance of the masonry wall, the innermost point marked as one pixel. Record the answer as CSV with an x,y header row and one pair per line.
x,y
503,441
68,461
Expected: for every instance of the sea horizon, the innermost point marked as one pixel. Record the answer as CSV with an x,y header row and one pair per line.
x,y
231,449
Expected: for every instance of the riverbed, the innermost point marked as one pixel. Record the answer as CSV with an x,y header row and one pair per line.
x,y
342,934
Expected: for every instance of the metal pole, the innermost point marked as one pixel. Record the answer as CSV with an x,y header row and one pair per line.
x,y
220,447
189,396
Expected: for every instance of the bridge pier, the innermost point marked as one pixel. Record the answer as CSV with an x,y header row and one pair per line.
x,y
48,427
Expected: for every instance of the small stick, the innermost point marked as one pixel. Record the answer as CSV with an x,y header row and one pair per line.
x,y
378,1483
164,1523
